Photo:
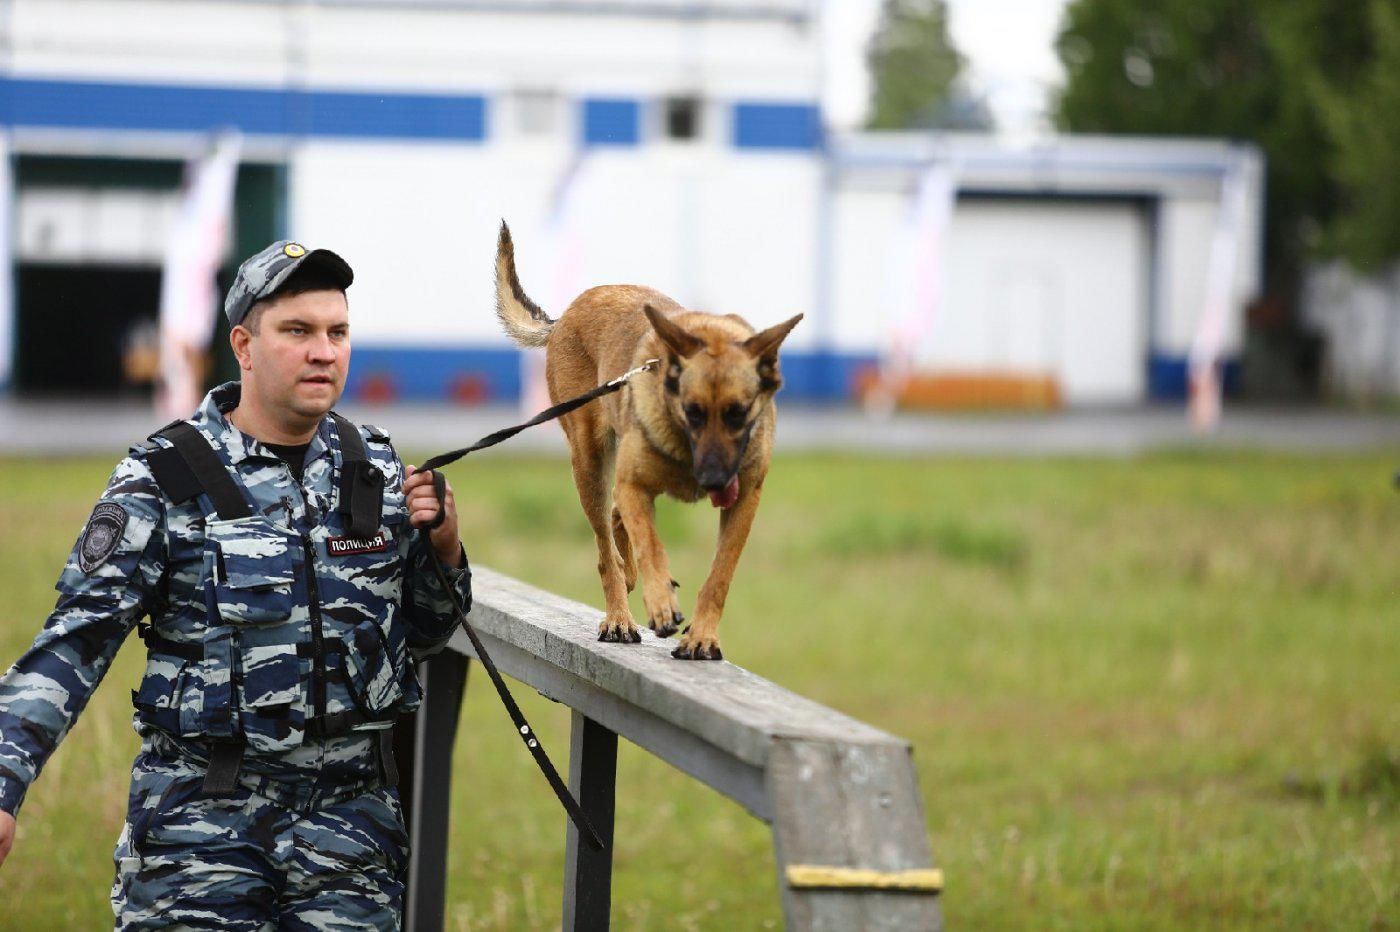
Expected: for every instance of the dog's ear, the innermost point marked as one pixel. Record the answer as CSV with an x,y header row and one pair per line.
x,y
677,339
764,345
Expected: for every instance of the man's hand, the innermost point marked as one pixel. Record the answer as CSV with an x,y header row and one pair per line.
x,y
423,508
7,834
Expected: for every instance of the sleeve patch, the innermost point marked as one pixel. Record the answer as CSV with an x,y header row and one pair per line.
x,y
102,535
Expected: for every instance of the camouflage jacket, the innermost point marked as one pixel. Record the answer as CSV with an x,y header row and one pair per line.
x,y
247,644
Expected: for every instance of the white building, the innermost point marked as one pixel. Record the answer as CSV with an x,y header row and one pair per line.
x,y
675,143
1085,261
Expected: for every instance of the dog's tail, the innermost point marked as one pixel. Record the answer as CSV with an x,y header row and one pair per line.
x,y
522,318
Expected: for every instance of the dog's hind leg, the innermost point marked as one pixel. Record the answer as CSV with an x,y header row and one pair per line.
x,y
624,549
591,456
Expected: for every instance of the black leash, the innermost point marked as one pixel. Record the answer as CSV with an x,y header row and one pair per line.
x,y
549,414
527,734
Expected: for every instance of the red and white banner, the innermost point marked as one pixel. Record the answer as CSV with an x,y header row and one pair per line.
x,y
564,247
915,284
1205,385
189,300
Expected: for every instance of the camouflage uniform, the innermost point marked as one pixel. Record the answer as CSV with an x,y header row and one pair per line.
x,y
310,836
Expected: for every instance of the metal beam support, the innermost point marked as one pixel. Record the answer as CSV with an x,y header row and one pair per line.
x,y
717,768
593,781
424,750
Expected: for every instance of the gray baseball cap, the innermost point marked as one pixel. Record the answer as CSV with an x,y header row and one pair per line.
x,y
263,273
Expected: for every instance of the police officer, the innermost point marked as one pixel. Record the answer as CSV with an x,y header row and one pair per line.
x,y
282,556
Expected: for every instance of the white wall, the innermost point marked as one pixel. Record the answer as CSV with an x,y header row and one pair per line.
x,y
726,234
151,40
416,46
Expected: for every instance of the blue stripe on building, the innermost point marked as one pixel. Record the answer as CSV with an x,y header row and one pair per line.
x,y
606,121
1168,379
430,373
777,126
83,104
612,121
270,111
484,374
492,374
417,116
823,375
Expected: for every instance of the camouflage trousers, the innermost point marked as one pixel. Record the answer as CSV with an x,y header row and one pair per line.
x,y
243,861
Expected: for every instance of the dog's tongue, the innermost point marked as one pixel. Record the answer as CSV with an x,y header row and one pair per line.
x,y
727,496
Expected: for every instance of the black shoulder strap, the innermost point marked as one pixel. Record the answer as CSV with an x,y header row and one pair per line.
x,y
361,483
173,474
193,467
352,445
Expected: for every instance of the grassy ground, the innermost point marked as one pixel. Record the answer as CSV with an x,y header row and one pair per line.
x,y
1161,693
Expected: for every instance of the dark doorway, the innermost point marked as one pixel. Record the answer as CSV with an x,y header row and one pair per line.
x,y
80,330
77,324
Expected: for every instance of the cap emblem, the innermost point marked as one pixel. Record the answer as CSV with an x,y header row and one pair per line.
x,y
295,250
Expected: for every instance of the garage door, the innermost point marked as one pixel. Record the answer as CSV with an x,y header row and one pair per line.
x,y
1047,287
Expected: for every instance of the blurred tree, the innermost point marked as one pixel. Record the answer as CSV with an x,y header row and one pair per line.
x,y
960,110
913,66
1283,74
1244,69
1362,119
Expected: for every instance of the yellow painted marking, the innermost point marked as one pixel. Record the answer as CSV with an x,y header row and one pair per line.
x,y
812,877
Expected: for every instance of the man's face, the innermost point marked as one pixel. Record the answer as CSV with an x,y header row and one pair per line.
x,y
297,362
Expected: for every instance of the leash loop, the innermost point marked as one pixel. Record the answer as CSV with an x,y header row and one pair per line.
x,y
647,366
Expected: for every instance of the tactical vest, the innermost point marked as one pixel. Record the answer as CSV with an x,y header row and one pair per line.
x,y
261,681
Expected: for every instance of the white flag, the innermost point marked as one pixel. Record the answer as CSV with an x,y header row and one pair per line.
x,y
199,240
1205,382
915,283
564,247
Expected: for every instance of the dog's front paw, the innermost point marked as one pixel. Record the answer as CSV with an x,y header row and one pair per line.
x,y
694,648
619,631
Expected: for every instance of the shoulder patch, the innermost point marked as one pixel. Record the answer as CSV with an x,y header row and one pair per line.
x,y
102,535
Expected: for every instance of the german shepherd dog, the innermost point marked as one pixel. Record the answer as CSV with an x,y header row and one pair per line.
x,y
700,423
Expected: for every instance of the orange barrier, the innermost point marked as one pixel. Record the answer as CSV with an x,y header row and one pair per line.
x,y
969,391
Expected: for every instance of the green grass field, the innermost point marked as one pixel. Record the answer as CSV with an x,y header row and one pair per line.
x,y
1160,693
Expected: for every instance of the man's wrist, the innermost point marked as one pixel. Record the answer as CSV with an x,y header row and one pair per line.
x,y
12,792
454,556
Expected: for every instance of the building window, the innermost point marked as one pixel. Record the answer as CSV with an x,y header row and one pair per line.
x,y
776,125
682,118
536,112
611,121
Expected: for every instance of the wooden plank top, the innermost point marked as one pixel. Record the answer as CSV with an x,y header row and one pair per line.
x,y
725,705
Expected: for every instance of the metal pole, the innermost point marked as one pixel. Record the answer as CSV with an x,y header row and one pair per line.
x,y
423,748
593,781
